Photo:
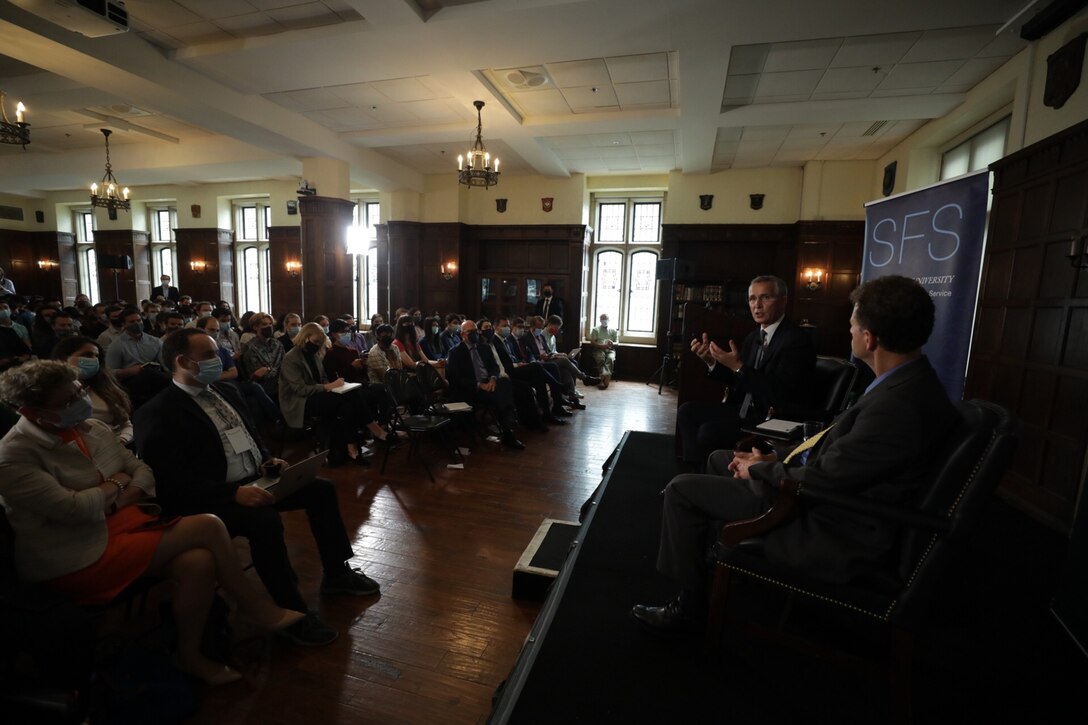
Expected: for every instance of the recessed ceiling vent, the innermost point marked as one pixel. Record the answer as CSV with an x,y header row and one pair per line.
x,y
875,128
526,78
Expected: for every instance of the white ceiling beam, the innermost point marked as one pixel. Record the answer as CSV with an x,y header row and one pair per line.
x,y
158,83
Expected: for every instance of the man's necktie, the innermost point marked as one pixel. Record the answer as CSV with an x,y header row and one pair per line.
x,y
233,420
746,404
547,303
807,445
762,348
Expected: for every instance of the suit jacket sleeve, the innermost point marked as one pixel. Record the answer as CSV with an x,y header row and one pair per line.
x,y
460,374
888,436
179,442
783,381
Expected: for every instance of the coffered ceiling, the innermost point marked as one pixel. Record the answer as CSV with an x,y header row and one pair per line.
x,y
205,90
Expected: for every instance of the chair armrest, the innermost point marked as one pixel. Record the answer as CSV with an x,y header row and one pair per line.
x,y
784,509
877,509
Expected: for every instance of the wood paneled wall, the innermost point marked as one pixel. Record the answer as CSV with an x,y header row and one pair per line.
x,y
836,248
20,252
410,258
549,252
213,247
132,284
326,267
1030,347
284,245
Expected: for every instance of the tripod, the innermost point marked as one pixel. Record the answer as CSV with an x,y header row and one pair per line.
x,y
666,366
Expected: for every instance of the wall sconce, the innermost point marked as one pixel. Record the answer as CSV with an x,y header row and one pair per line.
x,y
198,266
813,278
1078,255
294,268
448,269
46,264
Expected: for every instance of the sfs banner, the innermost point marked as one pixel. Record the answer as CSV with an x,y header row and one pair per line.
x,y
935,235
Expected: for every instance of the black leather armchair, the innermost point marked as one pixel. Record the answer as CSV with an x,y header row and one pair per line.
x,y
897,595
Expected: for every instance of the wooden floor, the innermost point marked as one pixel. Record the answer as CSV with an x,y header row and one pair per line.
x,y
445,630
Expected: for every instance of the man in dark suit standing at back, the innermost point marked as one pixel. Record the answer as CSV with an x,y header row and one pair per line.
x,y
549,303
881,448
164,289
772,369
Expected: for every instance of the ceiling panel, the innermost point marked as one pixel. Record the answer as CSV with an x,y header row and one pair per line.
x,y
874,50
790,83
580,73
802,55
920,75
636,68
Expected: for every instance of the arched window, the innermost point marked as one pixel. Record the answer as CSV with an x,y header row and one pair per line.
x,y
626,251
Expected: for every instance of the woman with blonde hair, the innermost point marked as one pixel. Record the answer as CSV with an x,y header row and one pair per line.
x,y
76,500
306,392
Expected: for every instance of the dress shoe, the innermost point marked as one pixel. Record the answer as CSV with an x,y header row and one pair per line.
x,y
511,442
576,405
552,420
668,619
560,412
591,380
578,395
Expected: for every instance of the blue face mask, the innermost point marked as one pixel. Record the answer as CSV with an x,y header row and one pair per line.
x,y
74,413
292,331
88,367
504,331
345,338
210,370
5,314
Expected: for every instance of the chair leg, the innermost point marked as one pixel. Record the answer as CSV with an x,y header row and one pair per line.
x,y
715,620
385,456
902,659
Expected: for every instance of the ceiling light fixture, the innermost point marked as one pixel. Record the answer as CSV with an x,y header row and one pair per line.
x,y
17,133
111,199
478,171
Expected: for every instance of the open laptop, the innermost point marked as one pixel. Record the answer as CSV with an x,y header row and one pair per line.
x,y
293,477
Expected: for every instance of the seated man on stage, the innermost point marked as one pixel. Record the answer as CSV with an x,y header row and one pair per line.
x,y
199,439
880,448
771,369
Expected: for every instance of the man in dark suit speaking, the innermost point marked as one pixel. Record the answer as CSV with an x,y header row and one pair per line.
x,y
881,448
772,368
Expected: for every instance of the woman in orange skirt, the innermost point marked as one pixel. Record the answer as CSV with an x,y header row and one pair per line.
x,y
77,501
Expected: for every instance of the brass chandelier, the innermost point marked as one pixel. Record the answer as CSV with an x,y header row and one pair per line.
x,y
17,133
477,171
111,199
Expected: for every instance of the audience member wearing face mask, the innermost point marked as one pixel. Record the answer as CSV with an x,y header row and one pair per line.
x,y
603,340
383,356
110,403
305,391
78,523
